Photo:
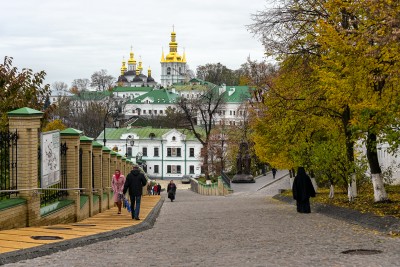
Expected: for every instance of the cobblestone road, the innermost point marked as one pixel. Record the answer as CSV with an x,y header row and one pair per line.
x,y
244,229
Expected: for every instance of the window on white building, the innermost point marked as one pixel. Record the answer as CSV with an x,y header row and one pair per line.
x,y
156,152
191,152
173,152
191,169
173,168
129,152
144,151
156,169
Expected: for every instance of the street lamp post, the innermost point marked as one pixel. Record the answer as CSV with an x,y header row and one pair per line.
x,y
222,154
104,131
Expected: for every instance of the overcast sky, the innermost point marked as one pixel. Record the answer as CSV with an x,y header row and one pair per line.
x,y
72,39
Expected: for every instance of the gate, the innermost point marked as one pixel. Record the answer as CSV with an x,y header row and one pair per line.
x,y
8,164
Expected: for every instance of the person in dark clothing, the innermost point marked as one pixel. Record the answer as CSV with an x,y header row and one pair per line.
x,y
159,189
171,190
273,172
303,189
135,181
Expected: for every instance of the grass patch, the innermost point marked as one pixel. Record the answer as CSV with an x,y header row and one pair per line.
x,y
364,202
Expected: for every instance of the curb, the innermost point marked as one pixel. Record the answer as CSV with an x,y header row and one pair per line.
x,y
47,249
384,224
273,181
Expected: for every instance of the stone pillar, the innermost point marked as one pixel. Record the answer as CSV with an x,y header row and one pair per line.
x,y
97,172
71,137
86,146
106,179
26,122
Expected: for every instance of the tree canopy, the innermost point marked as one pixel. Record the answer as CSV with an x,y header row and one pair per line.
x,y
20,89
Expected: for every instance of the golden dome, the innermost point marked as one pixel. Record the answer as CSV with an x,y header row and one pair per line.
x,y
173,55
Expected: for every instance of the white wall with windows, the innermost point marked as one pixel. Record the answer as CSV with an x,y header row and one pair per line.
x,y
170,157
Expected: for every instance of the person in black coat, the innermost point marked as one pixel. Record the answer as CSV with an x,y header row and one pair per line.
x,y
159,189
273,172
135,181
302,189
171,190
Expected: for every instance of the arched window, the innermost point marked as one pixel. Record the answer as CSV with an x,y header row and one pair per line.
x,y
168,71
173,138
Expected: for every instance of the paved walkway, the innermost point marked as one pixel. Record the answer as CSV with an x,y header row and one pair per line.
x,y
243,229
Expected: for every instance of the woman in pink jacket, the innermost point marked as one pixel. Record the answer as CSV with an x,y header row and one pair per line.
x,y
117,184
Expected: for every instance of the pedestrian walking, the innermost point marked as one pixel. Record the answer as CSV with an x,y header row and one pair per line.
x,y
273,173
302,189
158,189
149,189
171,190
117,185
155,189
135,181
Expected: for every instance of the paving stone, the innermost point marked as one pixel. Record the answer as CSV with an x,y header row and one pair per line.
x,y
244,229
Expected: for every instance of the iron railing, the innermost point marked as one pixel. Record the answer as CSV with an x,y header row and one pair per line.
x,y
8,164
226,179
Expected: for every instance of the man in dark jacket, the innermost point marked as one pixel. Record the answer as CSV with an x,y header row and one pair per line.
x,y
135,181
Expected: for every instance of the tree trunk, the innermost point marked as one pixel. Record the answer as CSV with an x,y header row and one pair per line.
x,y
352,185
376,173
205,162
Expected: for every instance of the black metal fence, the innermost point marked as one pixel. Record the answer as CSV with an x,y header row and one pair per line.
x,y
80,168
8,164
57,191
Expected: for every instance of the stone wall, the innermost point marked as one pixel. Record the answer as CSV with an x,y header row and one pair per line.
x,y
85,198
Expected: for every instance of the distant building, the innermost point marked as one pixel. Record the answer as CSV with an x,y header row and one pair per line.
x,y
55,96
154,102
132,75
163,153
173,66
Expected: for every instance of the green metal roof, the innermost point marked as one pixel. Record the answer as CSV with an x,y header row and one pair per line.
x,y
70,131
85,139
106,149
189,87
240,94
91,95
132,89
24,112
143,133
161,96
96,144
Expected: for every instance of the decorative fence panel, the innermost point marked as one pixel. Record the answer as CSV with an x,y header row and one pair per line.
x,y
226,179
8,164
58,191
